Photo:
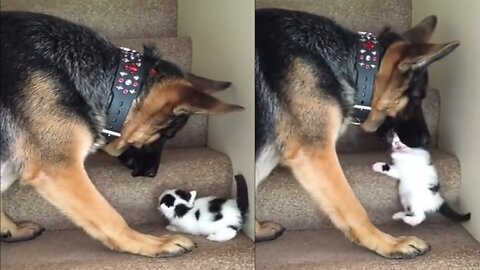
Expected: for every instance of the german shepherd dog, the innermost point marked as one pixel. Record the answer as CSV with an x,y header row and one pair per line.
x,y
56,80
305,91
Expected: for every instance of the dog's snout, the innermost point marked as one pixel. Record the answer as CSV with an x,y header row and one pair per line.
x,y
425,140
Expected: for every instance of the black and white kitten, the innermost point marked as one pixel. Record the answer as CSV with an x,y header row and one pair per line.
x,y
418,184
218,218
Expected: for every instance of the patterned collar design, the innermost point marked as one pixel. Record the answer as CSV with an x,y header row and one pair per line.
x,y
126,88
367,63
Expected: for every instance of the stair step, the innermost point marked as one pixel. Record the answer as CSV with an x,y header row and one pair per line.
x,y
74,250
202,169
452,248
370,15
114,19
179,51
280,198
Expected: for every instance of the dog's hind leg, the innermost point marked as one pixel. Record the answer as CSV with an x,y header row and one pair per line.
x,y
11,231
15,232
319,172
266,161
267,230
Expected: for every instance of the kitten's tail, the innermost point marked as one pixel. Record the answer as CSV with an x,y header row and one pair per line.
x,y
242,194
451,214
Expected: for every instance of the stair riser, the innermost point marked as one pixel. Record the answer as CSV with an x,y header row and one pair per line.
x,y
280,198
134,198
114,19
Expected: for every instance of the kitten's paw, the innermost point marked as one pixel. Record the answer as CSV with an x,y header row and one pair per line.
x,y
172,228
220,237
214,237
399,215
378,166
412,221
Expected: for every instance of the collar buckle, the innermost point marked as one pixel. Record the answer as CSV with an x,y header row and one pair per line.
x,y
362,107
111,133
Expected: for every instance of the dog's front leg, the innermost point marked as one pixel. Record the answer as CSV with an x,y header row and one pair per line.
x,y
319,172
69,189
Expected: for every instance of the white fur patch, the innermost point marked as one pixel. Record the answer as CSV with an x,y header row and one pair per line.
x,y
8,175
267,161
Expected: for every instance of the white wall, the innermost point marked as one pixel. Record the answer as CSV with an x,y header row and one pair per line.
x,y
222,35
458,79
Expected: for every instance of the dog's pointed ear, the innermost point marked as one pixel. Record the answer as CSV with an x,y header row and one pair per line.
x,y
196,102
150,53
418,56
206,85
422,32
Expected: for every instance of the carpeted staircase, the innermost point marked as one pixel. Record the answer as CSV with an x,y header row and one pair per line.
x,y
310,242
187,164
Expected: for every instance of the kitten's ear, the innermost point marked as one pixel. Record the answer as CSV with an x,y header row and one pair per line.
x,y
163,207
193,196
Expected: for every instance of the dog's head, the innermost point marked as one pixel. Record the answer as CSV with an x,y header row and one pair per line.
x,y
146,160
401,83
168,92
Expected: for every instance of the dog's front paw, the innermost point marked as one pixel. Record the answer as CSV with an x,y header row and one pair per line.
x,y
407,247
379,167
175,245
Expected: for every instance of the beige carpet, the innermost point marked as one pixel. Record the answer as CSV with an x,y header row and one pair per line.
x,y
452,249
74,250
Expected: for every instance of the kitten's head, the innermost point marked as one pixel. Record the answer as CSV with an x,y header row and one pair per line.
x,y
397,145
173,201
403,153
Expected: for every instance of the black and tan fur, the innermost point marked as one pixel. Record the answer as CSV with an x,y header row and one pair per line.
x,y
145,161
55,91
305,91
